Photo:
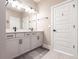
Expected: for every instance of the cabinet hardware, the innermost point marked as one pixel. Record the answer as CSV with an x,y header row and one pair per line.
x,y
38,38
28,34
20,41
10,36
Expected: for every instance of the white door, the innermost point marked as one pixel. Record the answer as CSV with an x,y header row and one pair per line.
x,y
65,28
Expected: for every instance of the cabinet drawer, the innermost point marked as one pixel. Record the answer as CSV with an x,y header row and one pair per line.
x,y
19,35
28,34
34,34
9,36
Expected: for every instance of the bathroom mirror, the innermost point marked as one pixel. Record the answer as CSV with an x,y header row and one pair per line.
x,y
24,19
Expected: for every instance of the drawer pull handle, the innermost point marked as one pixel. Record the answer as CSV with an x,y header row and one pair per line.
x,y
20,41
10,36
28,34
38,38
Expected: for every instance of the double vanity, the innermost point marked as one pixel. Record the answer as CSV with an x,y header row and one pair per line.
x,y
25,23
19,43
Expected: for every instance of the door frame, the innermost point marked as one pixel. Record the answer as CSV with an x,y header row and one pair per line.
x,y
52,24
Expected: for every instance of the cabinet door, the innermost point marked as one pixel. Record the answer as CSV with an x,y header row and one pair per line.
x,y
12,48
40,39
34,42
25,46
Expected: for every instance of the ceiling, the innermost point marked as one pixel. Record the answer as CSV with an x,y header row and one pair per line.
x,y
37,1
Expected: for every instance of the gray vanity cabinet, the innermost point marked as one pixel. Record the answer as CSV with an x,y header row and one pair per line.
x,y
34,42
25,46
40,37
20,43
36,39
24,43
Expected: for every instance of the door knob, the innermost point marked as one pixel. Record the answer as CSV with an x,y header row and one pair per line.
x,y
54,30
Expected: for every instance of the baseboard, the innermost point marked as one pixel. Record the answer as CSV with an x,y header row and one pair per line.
x,y
63,52
46,46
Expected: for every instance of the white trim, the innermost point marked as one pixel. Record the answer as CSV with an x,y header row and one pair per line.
x,y
59,4
47,46
52,27
52,18
63,52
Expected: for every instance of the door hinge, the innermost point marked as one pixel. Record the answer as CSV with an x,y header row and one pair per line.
x,y
73,46
73,26
74,5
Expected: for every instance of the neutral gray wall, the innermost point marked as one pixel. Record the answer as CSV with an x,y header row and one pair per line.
x,y
2,30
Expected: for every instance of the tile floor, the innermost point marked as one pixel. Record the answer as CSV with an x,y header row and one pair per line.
x,y
41,53
35,54
56,55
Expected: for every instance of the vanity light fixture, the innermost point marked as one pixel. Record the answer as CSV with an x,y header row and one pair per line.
x,y
19,6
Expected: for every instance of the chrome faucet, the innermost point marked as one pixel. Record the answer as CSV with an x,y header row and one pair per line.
x,y
31,29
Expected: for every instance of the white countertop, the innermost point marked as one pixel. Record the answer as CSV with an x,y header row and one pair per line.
x,y
21,31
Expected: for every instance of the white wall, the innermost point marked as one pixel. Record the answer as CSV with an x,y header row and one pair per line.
x,y
43,24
